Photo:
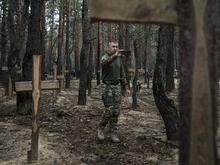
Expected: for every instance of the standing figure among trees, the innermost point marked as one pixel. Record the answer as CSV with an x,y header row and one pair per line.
x,y
113,76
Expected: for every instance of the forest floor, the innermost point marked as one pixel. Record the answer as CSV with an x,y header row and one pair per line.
x,y
68,132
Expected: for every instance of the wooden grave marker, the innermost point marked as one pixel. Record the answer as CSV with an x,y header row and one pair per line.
x,y
58,77
36,85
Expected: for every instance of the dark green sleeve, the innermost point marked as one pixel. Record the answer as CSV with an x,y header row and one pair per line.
x,y
106,59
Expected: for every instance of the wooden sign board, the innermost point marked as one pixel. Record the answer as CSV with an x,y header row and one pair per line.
x,y
136,11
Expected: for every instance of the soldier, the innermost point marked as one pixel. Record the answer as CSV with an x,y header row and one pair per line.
x,y
113,76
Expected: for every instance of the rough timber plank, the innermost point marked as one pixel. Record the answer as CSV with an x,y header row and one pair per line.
x,y
36,106
45,85
157,11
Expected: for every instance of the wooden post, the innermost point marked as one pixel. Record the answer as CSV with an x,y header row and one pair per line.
x,y
36,86
35,110
54,78
62,79
54,71
202,149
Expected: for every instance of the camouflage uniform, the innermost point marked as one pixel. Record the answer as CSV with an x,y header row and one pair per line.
x,y
111,96
113,77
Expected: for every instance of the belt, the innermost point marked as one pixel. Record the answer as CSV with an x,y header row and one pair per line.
x,y
111,82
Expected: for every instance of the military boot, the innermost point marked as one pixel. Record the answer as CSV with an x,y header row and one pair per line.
x,y
114,137
100,134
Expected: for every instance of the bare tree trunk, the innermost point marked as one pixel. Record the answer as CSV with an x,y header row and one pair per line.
x,y
109,32
84,54
67,52
98,76
17,37
24,103
165,105
50,58
4,40
60,59
77,40
121,35
43,41
134,84
147,55
170,62
127,63
90,68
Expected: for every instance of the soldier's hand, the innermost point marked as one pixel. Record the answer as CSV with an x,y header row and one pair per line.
x,y
118,52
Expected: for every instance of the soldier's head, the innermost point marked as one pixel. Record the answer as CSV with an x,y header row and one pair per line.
x,y
112,47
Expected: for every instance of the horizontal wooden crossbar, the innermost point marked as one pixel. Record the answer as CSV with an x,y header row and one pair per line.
x,y
156,11
59,77
45,85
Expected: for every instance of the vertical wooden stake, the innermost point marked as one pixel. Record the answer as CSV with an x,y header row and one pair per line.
x,y
62,80
54,78
35,109
202,149
54,71
10,91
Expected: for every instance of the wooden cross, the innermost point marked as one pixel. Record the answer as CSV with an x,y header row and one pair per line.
x,y
200,115
58,77
36,85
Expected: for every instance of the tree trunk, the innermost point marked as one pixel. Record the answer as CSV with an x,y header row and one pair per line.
x,y
4,40
170,62
147,55
90,68
43,41
24,103
67,52
17,37
134,84
98,72
121,35
198,53
127,64
50,58
84,54
60,58
165,105
109,32
77,39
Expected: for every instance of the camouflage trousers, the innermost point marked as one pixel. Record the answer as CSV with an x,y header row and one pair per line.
x,y
111,96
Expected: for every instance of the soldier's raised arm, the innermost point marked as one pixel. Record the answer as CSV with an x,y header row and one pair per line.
x,y
106,59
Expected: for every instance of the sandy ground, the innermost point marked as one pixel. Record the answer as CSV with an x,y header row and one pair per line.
x,y
68,132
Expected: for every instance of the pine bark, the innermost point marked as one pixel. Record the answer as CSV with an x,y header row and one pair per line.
x,y
4,40
24,102
84,54
67,52
99,42
50,58
134,83
170,62
165,105
77,40
60,58
90,70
